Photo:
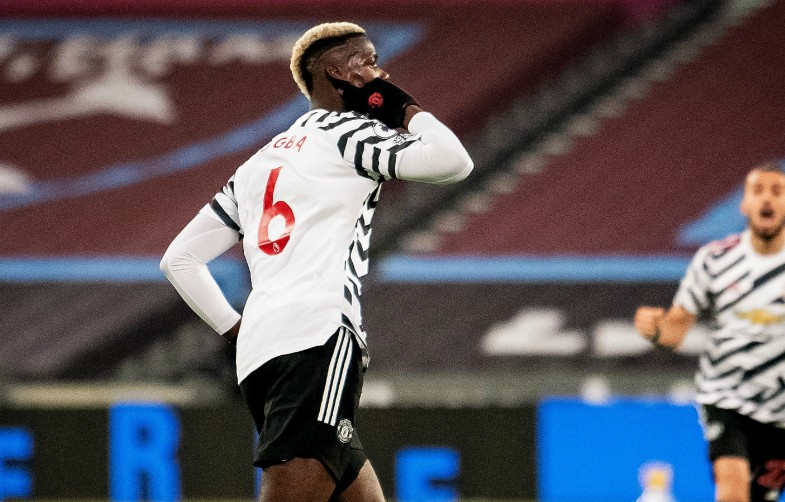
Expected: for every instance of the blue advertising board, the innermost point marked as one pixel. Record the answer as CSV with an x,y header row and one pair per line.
x,y
619,450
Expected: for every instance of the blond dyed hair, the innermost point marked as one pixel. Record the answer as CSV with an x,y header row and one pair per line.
x,y
320,32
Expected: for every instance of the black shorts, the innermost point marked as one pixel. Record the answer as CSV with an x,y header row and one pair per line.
x,y
304,405
731,434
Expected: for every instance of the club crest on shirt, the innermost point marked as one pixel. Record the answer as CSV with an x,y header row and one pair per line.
x,y
713,430
345,430
383,131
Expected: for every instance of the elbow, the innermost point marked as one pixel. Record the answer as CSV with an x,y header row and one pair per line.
x,y
178,263
463,163
173,262
462,168
467,168
166,264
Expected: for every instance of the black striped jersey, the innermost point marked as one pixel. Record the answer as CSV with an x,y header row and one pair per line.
x,y
304,204
742,293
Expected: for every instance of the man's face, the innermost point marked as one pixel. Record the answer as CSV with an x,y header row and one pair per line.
x,y
356,61
764,203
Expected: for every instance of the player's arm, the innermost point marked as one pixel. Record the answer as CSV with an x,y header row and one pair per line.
x,y
664,328
668,328
439,156
185,265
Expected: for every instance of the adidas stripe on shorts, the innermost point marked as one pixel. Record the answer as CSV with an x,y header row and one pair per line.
x,y
311,398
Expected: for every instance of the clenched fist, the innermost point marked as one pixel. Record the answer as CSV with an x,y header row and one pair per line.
x,y
647,322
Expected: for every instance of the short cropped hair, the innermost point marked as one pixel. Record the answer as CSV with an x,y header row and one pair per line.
x,y
315,42
771,166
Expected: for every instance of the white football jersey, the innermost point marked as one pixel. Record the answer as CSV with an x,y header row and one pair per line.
x,y
303,204
743,295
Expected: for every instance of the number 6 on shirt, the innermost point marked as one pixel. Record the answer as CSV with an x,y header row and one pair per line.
x,y
269,211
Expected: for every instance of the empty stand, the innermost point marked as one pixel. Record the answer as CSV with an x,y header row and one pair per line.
x,y
529,123
115,182
660,163
505,51
79,330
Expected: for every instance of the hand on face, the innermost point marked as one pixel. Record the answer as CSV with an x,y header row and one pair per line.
x,y
364,87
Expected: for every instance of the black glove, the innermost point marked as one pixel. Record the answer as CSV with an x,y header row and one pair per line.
x,y
379,99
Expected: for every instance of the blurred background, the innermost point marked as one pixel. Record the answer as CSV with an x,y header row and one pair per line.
x,y
610,139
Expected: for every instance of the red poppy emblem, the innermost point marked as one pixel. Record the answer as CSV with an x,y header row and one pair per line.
x,y
375,100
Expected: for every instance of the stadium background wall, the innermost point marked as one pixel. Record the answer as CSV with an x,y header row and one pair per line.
x,y
71,449
634,10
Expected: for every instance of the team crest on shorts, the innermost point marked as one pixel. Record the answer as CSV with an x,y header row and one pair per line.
x,y
713,430
345,430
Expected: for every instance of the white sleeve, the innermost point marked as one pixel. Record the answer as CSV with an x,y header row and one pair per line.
x,y
439,158
185,265
692,294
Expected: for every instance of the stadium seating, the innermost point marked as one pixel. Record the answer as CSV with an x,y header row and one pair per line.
x,y
89,173
657,165
615,184
60,330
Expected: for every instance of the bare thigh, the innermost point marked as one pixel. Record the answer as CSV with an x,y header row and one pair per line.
x,y
365,488
298,480
732,479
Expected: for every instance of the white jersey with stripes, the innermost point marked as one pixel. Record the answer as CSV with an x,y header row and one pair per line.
x,y
743,295
303,205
